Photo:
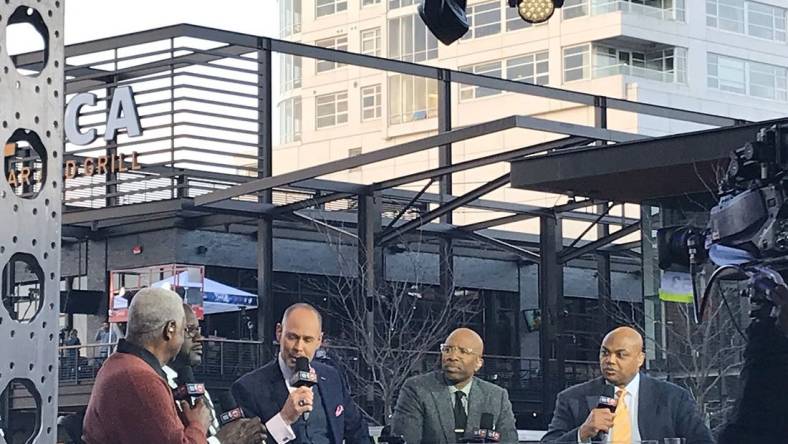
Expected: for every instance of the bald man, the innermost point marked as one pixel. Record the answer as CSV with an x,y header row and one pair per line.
x,y
647,408
268,394
445,406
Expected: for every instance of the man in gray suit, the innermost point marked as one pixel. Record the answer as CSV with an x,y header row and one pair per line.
x,y
445,406
647,408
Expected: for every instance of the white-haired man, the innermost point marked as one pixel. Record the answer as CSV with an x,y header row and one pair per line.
x,y
131,401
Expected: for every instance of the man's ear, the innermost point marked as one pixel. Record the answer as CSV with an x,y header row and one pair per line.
x,y
479,363
279,332
169,330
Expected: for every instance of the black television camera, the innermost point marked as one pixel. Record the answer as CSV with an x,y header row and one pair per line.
x,y
747,233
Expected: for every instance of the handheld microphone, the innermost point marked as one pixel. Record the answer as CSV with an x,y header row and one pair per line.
x,y
608,399
231,411
486,432
187,389
303,377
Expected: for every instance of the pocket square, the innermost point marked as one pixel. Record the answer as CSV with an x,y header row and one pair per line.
x,y
339,410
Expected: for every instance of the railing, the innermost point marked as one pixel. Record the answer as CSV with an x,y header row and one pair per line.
x,y
598,7
636,71
225,360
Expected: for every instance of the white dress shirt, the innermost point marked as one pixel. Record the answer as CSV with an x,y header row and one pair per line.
x,y
277,427
172,375
466,390
631,400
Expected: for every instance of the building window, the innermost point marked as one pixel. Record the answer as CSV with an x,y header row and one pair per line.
x,y
410,40
369,2
492,69
577,63
744,17
394,4
531,68
290,120
747,77
484,19
575,8
331,109
338,42
370,41
328,7
370,102
290,17
411,98
289,72
353,152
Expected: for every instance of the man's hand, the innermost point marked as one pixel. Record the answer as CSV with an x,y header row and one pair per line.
x,y
598,421
243,431
199,414
780,297
299,401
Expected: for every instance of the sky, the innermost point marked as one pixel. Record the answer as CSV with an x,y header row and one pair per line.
x,y
93,19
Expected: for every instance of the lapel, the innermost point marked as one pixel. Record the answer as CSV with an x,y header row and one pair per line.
x,y
648,407
475,403
329,398
279,392
440,395
592,399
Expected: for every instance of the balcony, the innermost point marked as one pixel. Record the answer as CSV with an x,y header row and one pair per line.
x,y
658,9
670,76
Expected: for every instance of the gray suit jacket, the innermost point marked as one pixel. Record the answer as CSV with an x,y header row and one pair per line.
x,y
665,410
425,412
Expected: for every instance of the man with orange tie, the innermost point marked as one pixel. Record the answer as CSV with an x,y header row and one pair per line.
x,y
647,408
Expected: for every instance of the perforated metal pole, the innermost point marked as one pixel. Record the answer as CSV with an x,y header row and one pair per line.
x,y
31,123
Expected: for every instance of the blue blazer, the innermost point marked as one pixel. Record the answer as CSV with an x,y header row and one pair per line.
x,y
665,410
263,392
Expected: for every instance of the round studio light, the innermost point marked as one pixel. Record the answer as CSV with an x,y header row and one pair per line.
x,y
536,11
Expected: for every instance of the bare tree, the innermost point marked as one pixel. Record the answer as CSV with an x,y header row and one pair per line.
x,y
704,357
393,334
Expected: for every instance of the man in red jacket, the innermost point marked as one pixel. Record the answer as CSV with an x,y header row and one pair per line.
x,y
131,402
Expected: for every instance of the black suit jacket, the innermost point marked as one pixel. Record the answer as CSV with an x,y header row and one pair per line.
x,y
665,410
263,392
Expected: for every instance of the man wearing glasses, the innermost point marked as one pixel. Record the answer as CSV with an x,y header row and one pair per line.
x,y
180,371
445,406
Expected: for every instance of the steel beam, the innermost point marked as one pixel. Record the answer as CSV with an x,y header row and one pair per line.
x,y
527,255
455,203
335,166
507,156
99,214
498,221
551,303
573,129
569,254
309,202
265,225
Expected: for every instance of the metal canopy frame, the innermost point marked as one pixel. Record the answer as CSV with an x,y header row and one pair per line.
x,y
222,207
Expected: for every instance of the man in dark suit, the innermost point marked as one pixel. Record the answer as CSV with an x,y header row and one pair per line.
x,y
266,392
445,406
647,408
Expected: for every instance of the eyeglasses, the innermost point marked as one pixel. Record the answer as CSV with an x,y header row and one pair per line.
x,y
192,331
448,349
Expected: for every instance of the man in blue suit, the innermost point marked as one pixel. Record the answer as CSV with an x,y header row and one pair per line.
x,y
647,408
266,392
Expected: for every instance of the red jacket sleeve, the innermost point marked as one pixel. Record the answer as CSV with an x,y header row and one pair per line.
x,y
152,411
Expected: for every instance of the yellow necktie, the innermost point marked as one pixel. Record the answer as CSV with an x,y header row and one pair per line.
x,y
622,427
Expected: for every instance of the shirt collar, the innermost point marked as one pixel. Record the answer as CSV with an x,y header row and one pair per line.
x,y
286,372
466,389
633,387
172,375
125,346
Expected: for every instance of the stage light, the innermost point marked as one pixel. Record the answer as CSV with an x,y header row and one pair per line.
x,y
445,19
537,11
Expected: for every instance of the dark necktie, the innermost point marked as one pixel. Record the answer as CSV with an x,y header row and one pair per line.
x,y
460,417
